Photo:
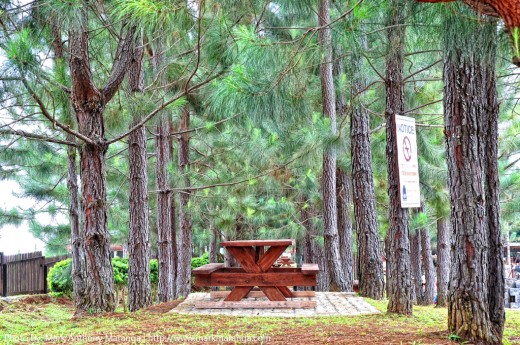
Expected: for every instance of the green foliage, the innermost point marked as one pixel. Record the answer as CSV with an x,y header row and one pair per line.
x,y
120,266
199,261
59,277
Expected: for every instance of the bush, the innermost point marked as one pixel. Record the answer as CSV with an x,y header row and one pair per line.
x,y
154,272
59,278
120,271
199,261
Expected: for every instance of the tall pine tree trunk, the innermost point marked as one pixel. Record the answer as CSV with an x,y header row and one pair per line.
x,y
398,233
174,250
475,301
165,287
343,198
89,106
443,262
139,289
415,261
330,233
76,240
370,272
429,269
185,243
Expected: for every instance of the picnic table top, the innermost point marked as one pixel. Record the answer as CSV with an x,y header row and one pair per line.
x,y
285,242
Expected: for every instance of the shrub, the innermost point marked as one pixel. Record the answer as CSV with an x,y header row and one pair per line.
x,y
199,261
120,271
59,278
154,271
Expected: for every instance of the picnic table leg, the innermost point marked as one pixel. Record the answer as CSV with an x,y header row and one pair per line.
x,y
273,293
238,293
285,291
259,252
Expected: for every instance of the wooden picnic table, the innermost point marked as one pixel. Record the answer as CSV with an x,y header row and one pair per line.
x,y
256,258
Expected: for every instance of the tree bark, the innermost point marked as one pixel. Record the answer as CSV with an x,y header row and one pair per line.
x,y
429,270
213,248
174,250
76,238
370,272
78,253
185,242
476,291
443,262
415,259
343,198
89,105
165,289
330,217
398,233
139,289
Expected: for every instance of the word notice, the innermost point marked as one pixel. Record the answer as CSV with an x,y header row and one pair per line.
x,y
407,160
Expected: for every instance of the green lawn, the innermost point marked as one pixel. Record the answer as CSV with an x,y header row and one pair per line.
x,y
50,323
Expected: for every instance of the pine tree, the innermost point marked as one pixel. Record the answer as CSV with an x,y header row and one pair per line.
x,y
398,235
139,289
476,292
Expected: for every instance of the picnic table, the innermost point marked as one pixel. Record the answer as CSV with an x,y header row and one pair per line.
x,y
256,258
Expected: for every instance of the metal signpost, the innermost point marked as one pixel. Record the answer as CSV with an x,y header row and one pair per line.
x,y
407,160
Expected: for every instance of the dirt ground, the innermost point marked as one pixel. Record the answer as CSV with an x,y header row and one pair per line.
x,y
373,329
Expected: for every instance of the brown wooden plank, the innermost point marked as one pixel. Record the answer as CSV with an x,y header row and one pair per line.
x,y
246,258
310,269
207,269
256,305
271,269
259,252
270,256
254,243
238,293
262,279
260,294
272,293
285,291
203,280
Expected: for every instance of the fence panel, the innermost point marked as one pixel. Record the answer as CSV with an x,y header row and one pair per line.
x,y
26,273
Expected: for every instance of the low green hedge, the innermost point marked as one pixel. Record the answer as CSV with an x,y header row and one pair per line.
x,y
59,278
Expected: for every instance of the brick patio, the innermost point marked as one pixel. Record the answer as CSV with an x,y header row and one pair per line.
x,y
328,304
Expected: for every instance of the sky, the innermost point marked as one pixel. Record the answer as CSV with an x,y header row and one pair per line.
x,y
14,240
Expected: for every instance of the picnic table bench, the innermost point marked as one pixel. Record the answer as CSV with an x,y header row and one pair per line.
x,y
257,271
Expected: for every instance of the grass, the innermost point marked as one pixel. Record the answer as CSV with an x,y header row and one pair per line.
x,y
34,323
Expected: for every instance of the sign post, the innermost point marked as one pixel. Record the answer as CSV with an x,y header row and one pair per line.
x,y
409,191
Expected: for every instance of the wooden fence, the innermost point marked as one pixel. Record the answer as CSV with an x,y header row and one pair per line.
x,y
26,273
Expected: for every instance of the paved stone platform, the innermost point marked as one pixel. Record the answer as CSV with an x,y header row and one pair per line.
x,y
327,304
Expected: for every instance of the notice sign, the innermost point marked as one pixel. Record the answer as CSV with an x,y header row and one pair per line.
x,y
407,161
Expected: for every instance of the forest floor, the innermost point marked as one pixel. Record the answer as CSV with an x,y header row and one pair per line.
x,y
45,320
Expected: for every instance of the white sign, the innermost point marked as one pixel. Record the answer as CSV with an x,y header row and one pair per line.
x,y
407,161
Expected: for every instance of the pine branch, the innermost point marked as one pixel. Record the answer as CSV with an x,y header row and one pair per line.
x,y
51,118
421,70
422,106
162,106
120,65
36,137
